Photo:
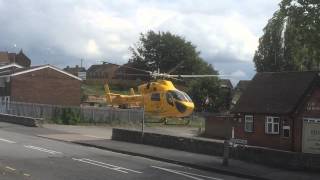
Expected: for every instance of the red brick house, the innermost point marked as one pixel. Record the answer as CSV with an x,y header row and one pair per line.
x,y
280,110
102,71
40,84
10,58
77,71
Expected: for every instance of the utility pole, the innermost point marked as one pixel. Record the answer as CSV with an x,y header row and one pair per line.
x,y
81,62
159,55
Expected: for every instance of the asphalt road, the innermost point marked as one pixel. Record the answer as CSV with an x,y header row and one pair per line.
x,y
23,155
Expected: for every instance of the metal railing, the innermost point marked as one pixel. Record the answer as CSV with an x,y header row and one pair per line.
x,y
110,116
73,114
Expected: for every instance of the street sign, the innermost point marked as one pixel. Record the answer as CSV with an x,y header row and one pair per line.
x,y
239,141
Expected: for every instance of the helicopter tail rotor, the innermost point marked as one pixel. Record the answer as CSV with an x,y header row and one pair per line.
x,y
132,91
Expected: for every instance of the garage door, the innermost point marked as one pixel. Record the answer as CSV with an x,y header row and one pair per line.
x,y
311,135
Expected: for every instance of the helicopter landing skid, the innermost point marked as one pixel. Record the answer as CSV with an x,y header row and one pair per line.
x,y
162,120
165,121
187,122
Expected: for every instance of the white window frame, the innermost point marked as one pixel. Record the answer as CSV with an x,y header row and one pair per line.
x,y
270,120
248,119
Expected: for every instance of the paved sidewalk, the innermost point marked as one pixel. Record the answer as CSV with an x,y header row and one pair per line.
x,y
103,132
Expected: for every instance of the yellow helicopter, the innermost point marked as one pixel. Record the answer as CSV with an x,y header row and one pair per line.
x,y
159,98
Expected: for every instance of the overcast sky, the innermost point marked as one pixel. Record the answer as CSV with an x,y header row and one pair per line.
x,y
61,32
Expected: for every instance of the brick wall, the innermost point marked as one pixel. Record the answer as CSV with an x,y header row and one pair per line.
x,y
219,127
46,86
259,138
266,156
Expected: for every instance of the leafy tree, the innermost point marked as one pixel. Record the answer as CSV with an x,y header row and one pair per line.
x,y
208,95
164,50
291,40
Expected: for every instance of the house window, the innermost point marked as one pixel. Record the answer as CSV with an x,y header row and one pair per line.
x,y
286,131
248,123
155,97
272,125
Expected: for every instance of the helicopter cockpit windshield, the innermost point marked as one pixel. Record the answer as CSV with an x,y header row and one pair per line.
x,y
178,95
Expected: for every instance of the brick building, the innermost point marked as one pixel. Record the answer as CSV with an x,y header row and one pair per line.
x,y
108,71
219,126
77,71
124,76
39,84
10,58
280,110
102,71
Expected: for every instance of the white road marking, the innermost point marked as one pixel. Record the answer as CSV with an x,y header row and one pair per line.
x,y
107,166
42,149
25,174
187,174
10,168
98,137
7,141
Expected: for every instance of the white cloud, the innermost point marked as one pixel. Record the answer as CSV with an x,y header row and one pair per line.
x,y
222,30
101,21
152,18
238,74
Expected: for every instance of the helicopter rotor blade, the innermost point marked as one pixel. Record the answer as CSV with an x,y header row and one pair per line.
x,y
129,67
177,79
176,67
125,74
134,48
197,76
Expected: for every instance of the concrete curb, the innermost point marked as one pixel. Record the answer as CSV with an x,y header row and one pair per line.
x,y
21,120
200,167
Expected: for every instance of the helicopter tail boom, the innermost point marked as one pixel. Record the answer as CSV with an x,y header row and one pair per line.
x,y
121,99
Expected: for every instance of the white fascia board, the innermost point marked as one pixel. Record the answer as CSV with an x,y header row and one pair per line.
x,y
46,66
11,65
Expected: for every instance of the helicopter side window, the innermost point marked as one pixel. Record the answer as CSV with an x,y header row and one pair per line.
x,y
187,96
177,95
155,97
169,98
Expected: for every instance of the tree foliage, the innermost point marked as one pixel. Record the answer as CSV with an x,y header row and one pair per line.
x,y
165,51
291,40
208,95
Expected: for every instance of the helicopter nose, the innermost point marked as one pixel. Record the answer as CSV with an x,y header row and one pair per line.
x,y
185,108
189,108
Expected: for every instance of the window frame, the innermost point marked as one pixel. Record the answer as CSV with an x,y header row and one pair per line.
x,y
284,128
155,97
246,122
272,123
